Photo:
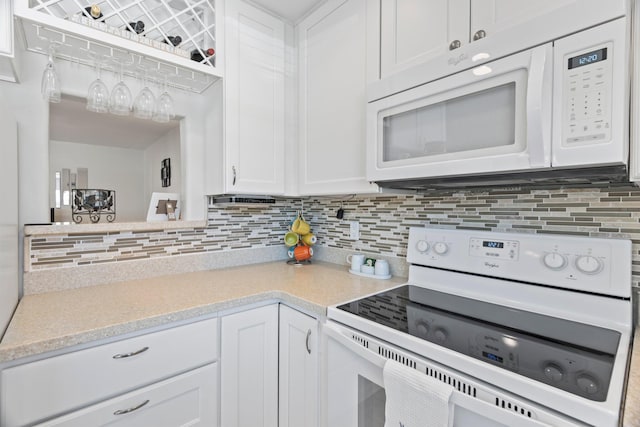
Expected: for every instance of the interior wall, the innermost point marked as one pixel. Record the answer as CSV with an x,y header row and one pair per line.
x,y
110,168
168,146
32,115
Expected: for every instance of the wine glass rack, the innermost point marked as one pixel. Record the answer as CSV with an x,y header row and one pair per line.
x,y
114,38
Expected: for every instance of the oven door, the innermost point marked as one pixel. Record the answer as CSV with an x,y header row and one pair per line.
x,y
356,396
493,118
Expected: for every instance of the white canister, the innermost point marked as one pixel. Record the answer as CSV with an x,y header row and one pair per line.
x,y
356,261
382,267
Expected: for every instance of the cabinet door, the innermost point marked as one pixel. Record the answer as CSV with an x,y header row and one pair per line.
x,y
7,64
333,78
254,99
85,377
414,31
298,369
249,368
187,399
490,17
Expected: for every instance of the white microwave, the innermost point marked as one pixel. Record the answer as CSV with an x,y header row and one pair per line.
x,y
561,107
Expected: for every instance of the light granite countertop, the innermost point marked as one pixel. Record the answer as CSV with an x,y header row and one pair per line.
x,y
57,320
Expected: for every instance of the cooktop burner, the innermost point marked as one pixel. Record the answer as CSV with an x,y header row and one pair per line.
x,y
571,356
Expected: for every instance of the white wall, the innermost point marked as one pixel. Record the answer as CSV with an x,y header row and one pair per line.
x,y
168,146
110,168
32,114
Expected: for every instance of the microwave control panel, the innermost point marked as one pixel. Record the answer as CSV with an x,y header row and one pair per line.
x,y
588,79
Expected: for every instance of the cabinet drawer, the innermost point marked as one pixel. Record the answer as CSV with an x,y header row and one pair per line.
x,y
38,390
188,399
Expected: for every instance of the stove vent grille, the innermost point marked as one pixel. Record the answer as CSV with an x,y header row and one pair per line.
x,y
362,341
390,354
505,404
461,386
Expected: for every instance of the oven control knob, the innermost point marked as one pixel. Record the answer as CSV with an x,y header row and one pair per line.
x,y
555,261
441,335
440,248
588,264
587,384
422,246
553,372
422,329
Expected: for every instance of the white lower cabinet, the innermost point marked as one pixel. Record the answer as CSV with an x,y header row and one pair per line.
x,y
269,368
298,369
104,375
249,368
185,400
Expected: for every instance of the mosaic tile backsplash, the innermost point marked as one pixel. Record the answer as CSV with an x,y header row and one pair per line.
x,y
612,211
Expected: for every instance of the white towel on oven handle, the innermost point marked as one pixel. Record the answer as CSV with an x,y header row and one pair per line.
x,y
415,399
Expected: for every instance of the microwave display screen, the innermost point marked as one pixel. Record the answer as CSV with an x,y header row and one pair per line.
x,y
588,58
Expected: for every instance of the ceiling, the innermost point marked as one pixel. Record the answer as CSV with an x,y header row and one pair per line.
x,y
70,121
292,10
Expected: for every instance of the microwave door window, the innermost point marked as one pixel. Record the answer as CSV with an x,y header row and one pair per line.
x,y
482,120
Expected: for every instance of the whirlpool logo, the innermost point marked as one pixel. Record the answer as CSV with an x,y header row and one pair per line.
x,y
491,265
455,60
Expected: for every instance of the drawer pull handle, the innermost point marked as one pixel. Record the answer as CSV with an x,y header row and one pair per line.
x,y
134,353
307,341
135,408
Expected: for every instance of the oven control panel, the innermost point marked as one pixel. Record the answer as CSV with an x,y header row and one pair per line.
x,y
503,249
571,262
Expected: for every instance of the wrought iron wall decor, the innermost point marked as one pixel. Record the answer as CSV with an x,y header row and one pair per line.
x,y
165,172
94,203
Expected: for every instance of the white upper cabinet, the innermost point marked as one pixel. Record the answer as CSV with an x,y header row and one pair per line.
x,y
490,17
422,40
333,73
414,31
7,65
254,101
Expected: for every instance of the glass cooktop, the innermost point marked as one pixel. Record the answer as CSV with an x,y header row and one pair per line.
x,y
571,356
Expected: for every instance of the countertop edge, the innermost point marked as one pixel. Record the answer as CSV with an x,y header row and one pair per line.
x,y
53,229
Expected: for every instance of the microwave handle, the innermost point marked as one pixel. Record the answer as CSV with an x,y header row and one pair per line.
x,y
539,106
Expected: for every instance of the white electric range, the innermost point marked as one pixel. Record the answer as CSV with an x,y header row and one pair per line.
x,y
528,329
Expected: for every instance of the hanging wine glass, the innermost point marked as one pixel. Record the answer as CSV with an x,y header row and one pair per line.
x,y
98,94
144,104
163,111
50,81
120,100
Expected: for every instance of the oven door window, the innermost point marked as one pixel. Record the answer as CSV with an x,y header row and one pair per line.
x,y
371,401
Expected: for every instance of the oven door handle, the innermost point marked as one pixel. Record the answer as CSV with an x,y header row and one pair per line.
x,y
457,398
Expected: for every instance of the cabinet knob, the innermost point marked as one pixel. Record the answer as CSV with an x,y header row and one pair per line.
x,y
307,341
455,44
233,169
480,34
